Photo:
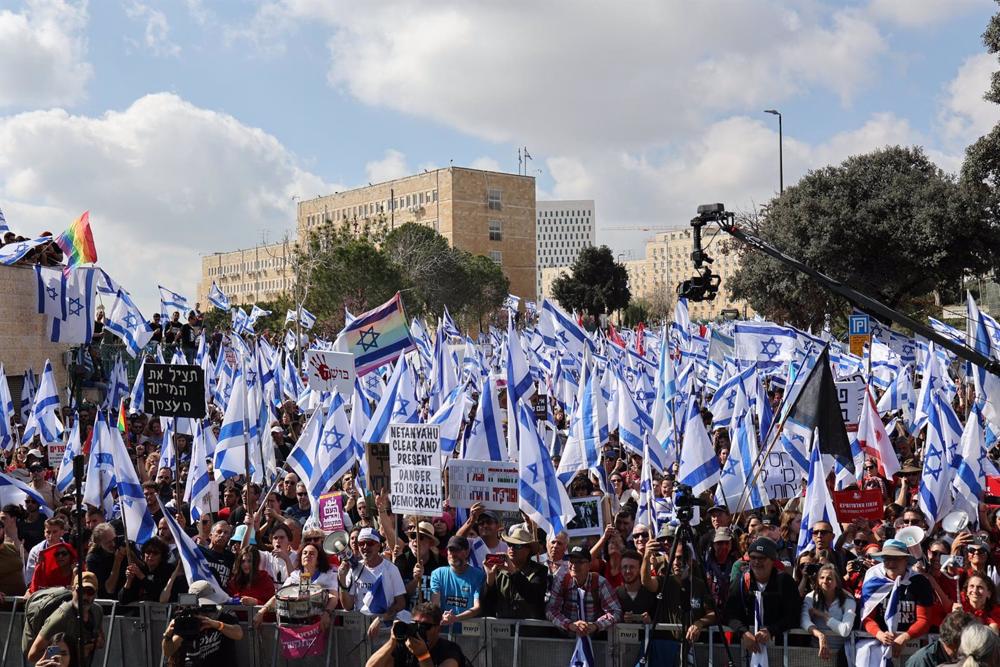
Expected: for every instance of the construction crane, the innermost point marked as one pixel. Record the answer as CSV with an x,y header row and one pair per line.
x,y
640,228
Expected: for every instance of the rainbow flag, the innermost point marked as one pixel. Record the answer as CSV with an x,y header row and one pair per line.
x,y
78,242
377,337
122,420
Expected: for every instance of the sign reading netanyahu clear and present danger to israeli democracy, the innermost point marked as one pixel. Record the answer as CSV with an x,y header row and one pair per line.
x,y
415,468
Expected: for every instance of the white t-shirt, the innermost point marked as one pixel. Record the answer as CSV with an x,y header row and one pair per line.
x,y
276,568
328,580
358,584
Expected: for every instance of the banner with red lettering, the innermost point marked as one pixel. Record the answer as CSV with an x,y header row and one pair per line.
x,y
302,641
858,504
492,483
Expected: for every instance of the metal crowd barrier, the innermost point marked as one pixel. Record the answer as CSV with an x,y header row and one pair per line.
x,y
133,634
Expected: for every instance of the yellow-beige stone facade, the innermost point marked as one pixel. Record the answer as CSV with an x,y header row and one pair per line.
x,y
261,273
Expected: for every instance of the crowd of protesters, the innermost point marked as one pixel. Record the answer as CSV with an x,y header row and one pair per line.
x,y
740,571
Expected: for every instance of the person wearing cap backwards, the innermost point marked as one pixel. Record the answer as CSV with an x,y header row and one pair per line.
x,y
915,598
64,620
601,608
515,587
779,599
355,582
456,588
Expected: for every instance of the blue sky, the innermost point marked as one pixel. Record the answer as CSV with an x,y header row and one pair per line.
x,y
188,126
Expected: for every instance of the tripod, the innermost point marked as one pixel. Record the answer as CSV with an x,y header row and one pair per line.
x,y
683,536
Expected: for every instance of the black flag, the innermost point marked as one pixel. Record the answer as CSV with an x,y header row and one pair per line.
x,y
816,408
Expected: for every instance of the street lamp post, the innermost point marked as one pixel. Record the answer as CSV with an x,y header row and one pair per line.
x,y
781,160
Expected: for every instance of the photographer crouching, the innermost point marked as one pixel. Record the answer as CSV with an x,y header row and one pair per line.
x,y
419,643
202,635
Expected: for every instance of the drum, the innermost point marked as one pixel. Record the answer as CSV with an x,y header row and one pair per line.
x,y
292,607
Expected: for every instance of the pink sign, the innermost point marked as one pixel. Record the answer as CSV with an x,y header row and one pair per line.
x,y
331,511
302,641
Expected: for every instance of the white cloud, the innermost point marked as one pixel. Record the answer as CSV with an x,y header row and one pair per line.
x,y
164,181
156,35
965,115
570,74
391,165
921,13
43,54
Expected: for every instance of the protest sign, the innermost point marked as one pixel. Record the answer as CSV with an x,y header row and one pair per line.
x,y
589,519
174,390
858,504
326,371
492,483
780,476
415,468
55,452
331,511
851,395
377,459
302,641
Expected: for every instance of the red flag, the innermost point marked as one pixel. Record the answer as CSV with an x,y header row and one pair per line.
x,y
614,337
640,335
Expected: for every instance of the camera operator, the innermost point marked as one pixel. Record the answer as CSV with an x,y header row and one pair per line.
x,y
64,620
202,636
686,599
419,643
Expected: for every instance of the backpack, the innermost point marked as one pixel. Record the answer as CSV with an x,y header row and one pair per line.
x,y
42,604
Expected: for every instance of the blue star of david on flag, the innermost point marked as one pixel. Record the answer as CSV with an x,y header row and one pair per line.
x,y
730,467
933,469
52,292
75,307
130,321
333,439
770,348
369,338
401,409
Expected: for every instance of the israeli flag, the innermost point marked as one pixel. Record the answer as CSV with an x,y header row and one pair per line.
x,y
138,390
306,319
664,433
450,417
201,493
540,495
818,505
306,450
361,414
336,454
485,441
448,324
520,384
230,453
51,284
126,322
64,478
171,299
385,411
375,599
646,512
987,384
78,326
944,431
4,227
218,298
699,467
967,483
738,472
195,565
570,336
43,420
764,344
256,313
139,522
14,492
899,395
15,252
7,435
634,425
588,427
101,470
29,385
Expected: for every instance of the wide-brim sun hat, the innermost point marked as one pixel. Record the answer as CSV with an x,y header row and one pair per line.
x,y
894,548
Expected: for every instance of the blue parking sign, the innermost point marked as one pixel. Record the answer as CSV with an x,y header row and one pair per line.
x,y
860,325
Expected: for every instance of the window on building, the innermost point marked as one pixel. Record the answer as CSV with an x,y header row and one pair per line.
x,y
435,195
496,256
496,230
493,199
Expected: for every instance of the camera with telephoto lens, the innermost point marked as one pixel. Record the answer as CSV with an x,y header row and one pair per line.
x,y
685,501
187,619
401,630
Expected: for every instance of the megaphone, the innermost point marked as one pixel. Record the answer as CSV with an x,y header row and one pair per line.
x,y
338,543
955,522
912,536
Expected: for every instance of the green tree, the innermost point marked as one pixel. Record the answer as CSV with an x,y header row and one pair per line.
x,y
485,287
432,270
596,285
888,223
